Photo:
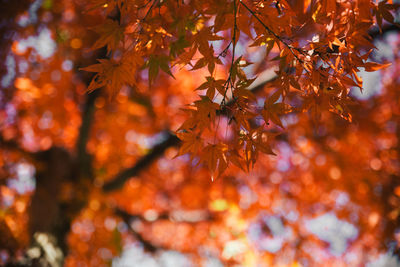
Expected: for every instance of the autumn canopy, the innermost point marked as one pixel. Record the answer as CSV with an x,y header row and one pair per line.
x,y
199,132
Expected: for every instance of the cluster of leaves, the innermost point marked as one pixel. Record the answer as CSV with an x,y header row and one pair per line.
x,y
158,35
350,170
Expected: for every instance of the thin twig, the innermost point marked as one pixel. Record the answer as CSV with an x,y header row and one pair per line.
x,y
228,84
291,48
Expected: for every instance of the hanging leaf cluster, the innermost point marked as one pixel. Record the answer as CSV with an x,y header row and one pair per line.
x,y
317,47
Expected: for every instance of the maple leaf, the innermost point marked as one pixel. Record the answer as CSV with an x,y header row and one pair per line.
x,y
202,38
234,157
244,94
382,11
266,41
111,34
340,107
243,117
201,115
206,111
254,141
273,110
186,56
191,143
155,63
177,47
211,85
214,155
110,74
373,66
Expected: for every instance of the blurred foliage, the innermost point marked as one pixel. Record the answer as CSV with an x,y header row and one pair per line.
x,y
94,175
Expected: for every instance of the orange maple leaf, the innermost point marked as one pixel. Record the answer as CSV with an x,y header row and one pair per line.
x,y
273,110
111,74
111,34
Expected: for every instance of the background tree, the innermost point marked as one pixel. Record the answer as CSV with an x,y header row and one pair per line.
x,y
283,169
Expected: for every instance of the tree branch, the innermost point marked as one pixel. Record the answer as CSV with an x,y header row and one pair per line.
x,y
13,145
83,158
142,163
128,218
189,218
290,47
